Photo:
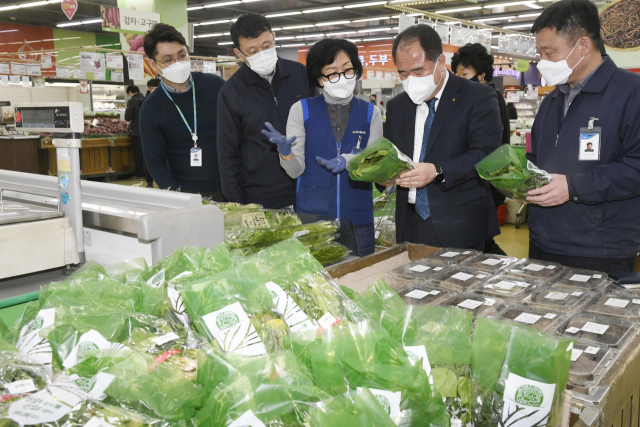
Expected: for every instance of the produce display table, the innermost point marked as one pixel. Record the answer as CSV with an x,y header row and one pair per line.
x,y
20,153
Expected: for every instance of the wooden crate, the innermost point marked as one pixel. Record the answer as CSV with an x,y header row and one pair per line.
x,y
19,154
122,155
46,146
94,156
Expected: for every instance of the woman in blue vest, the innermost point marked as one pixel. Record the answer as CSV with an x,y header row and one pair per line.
x,y
323,133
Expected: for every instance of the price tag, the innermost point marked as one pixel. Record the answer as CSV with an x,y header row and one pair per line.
x,y
576,294
534,267
490,302
551,267
580,278
597,276
165,338
301,233
456,423
450,254
462,276
437,268
481,276
470,304
556,295
573,330
595,328
419,268
466,252
491,261
417,294
614,302
255,220
19,387
327,321
575,353
435,292
528,318
635,301
550,316
505,284
592,350
377,234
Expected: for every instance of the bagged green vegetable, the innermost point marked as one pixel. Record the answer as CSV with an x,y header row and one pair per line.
x,y
257,239
359,408
329,253
508,170
20,374
185,259
270,388
379,297
128,270
218,259
441,336
261,218
380,161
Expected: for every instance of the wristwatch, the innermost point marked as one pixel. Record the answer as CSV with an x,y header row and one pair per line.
x,y
439,175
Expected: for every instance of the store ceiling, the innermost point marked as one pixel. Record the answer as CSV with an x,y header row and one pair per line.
x,y
297,22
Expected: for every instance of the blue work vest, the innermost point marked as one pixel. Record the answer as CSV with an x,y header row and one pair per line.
x,y
320,191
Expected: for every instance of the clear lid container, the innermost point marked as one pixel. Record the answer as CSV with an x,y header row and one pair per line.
x,y
420,270
419,294
585,279
452,256
506,287
459,278
600,330
589,363
534,269
566,300
542,320
616,304
479,305
490,263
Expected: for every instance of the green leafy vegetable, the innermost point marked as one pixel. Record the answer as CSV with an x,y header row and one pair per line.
x,y
380,161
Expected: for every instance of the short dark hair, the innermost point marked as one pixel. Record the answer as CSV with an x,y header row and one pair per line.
x,y
571,19
153,83
161,33
324,53
374,95
249,26
429,40
133,89
476,56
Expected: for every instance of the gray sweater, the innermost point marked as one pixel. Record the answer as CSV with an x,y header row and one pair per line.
x,y
339,117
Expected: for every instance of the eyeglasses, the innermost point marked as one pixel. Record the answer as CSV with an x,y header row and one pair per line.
x,y
181,58
334,77
266,46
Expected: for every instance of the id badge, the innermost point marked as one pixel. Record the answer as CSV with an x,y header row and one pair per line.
x,y
590,139
196,157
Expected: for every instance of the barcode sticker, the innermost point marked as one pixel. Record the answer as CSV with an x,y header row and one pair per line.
x,y
470,304
550,316
592,350
450,254
489,301
302,233
377,234
417,294
635,301
481,276
615,302
466,252
327,321
528,318
462,276
597,276
556,295
595,328
576,294
165,338
491,261
18,387
573,330
505,284
420,268
580,278
551,267
437,268
575,353
534,267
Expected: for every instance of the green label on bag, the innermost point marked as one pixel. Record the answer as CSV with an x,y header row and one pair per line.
x,y
86,384
529,395
384,402
35,324
226,320
85,348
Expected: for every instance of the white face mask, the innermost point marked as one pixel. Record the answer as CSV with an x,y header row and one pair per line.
x,y
557,73
343,88
178,72
264,62
420,88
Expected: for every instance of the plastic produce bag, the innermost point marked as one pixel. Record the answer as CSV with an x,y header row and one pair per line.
x,y
270,388
443,336
379,297
20,374
218,259
380,161
359,408
508,170
329,253
129,270
261,218
258,238
187,258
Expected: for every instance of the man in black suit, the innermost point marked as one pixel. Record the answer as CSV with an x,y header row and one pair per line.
x,y
446,124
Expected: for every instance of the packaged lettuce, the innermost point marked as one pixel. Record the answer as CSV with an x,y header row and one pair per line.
x,y
20,374
261,218
128,270
379,297
185,259
359,408
508,170
218,259
380,161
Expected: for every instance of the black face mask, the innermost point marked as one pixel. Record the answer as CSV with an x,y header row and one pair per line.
x,y
373,101
475,79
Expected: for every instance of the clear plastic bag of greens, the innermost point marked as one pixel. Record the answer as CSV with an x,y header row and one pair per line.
x,y
443,336
20,374
186,258
379,297
270,388
359,408
509,171
261,218
533,379
128,270
233,309
230,206
329,253
380,161
218,259
258,238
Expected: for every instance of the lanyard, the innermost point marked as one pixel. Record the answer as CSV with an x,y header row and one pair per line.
x,y
194,132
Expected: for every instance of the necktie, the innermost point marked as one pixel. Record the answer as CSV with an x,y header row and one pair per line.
x,y
422,200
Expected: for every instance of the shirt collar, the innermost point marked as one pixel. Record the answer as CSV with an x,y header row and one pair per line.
x,y
581,84
172,89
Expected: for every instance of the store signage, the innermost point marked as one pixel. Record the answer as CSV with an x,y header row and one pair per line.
x,y
69,7
18,68
79,74
14,79
62,72
405,22
374,59
136,66
34,70
522,65
117,76
100,75
84,86
128,21
45,61
115,61
90,61
506,72
4,68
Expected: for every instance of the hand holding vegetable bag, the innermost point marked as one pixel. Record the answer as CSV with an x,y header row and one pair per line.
x,y
380,161
508,170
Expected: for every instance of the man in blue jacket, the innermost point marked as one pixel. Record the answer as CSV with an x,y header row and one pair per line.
x,y
446,124
587,136
262,90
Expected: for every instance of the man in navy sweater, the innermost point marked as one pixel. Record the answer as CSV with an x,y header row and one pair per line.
x,y
262,90
177,121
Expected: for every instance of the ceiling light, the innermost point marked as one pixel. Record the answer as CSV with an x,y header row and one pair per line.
x,y
285,38
373,30
373,3
533,6
529,15
226,3
295,27
371,19
377,39
459,9
355,40
293,45
201,36
341,33
514,3
224,43
9,31
324,9
510,27
15,6
409,14
92,21
494,47
309,36
498,18
276,15
71,24
222,21
37,3
324,24
189,9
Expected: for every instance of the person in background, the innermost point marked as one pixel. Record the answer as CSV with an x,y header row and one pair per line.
x,y
512,111
474,63
446,124
132,115
152,84
373,99
333,123
262,90
176,122
587,217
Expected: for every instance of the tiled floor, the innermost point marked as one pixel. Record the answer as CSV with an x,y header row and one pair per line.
x,y
515,242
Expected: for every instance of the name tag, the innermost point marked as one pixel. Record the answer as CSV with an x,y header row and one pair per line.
x,y
196,157
589,144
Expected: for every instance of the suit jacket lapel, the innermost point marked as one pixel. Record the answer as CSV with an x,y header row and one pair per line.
x,y
410,127
450,98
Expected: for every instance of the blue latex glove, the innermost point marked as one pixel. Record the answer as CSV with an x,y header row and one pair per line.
x,y
335,165
281,141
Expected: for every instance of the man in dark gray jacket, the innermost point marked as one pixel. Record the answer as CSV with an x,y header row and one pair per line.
x,y
132,115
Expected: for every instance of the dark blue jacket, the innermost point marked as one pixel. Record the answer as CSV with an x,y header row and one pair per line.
x,y
466,128
601,218
166,140
322,192
249,163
